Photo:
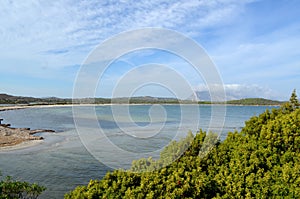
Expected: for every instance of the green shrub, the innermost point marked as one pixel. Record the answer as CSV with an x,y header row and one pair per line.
x,y
11,189
261,161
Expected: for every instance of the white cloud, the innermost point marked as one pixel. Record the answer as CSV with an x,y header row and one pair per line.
x,y
239,91
40,38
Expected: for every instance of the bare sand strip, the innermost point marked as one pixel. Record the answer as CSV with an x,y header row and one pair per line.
x,y
22,145
7,108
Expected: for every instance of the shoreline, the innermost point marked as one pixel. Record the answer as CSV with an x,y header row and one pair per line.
x,y
19,138
22,145
11,138
8,108
17,107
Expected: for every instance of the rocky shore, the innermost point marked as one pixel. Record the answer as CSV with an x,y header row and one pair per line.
x,y
14,136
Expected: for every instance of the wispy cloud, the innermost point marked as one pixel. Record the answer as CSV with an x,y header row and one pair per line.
x,y
43,26
252,42
57,51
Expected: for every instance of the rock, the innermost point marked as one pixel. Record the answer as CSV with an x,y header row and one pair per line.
x,y
26,129
12,136
32,132
5,125
35,138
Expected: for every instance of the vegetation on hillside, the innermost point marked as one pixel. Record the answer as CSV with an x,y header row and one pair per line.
x,y
9,99
261,161
254,101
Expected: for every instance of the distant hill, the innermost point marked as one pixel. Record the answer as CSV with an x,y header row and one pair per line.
x,y
230,95
10,99
254,101
204,97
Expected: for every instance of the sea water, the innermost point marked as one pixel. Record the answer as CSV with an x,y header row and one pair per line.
x,y
64,160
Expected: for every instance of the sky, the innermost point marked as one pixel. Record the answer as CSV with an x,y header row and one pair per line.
x,y
254,45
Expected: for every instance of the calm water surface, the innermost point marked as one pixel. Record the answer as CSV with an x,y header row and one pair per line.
x,y
61,162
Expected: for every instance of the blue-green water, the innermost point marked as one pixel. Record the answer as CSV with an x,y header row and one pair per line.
x,y
62,162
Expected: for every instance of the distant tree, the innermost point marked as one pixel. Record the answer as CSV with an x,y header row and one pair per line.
x,y
294,99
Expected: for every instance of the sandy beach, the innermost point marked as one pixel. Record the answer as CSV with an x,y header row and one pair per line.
x,y
8,108
22,145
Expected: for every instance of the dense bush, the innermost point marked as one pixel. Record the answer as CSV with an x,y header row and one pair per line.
x,y
261,161
11,189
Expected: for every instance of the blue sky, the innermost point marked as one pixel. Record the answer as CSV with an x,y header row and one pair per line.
x,y
254,44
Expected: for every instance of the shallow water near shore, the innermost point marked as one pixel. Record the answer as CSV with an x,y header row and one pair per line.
x,y
61,162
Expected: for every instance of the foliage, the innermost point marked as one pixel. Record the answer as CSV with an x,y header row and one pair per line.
x,y
261,161
11,189
294,99
9,99
254,101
